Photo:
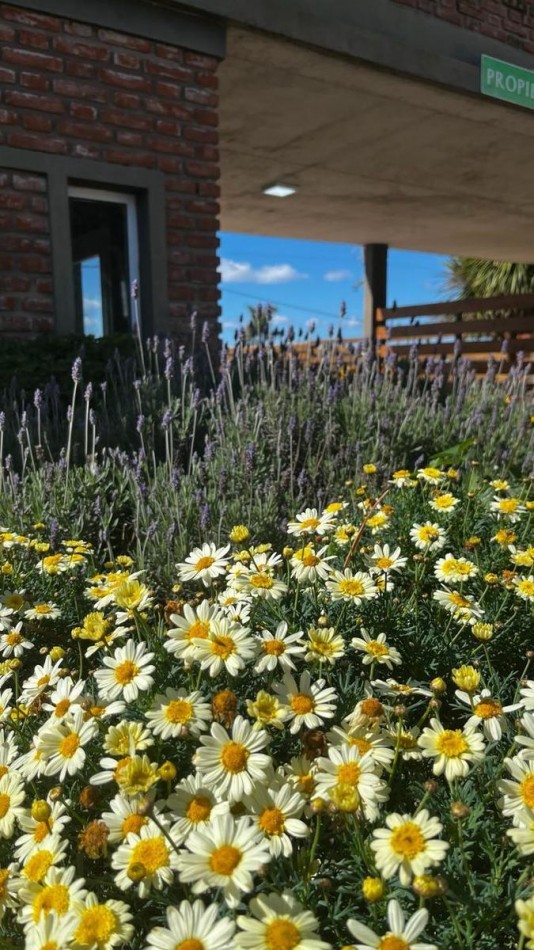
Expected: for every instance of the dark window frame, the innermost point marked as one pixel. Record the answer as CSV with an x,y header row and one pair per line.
x,y
149,189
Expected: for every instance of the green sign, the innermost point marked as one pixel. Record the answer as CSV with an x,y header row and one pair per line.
x,y
505,81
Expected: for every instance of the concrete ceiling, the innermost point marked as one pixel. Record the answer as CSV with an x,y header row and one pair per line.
x,y
376,156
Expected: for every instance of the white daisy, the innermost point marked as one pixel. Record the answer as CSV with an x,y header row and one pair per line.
x,y
12,795
400,936
376,649
350,587
127,672
276,812
309,703
50,931
101,925
233,764
454,570
428,536
488,711
444,503
280,922
61,891
518,792
179,713
309,565
62,745
346,767
204,564
228,646
147,859
13,642
278,648
191,925
194,624
193,805
463,607
384,560
454,750
226,854
407,846
311,522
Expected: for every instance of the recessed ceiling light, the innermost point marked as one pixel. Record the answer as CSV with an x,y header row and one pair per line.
x,y
278,190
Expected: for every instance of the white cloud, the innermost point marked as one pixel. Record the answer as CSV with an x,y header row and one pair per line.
x,y
229,325
278,318
92,305
241,272
335,275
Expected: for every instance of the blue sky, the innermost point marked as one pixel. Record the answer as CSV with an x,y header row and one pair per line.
x,y
307,280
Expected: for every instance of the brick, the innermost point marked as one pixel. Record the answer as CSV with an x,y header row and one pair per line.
x,y
8,117
207,153
80,69
205,136
29,100
12,202
122,157
71,46
31,264
7,75
26,57
163,51
35,223
85,131
126,100
159,107
124,39
15,283
33,40
126,120
7,33
38,204
169,90
199,169
171,146
200,61
169,127
35,81
130,139
37,123
29,182
79,90
202,97
81,110
37,142
171,70
125,80
206,80
204,117
38,304
126,60
78,29
28,18
85,151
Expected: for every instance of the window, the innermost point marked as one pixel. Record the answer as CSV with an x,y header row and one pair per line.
x,y
105,259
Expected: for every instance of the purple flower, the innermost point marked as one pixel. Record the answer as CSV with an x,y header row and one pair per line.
x,y
76,371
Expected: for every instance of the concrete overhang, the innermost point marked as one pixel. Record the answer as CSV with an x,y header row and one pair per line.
x,y
376,155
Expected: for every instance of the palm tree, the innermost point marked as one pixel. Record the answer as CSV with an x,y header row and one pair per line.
x,y
476,277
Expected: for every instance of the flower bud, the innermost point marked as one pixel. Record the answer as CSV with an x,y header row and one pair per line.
x,y
167,772
55,793
40,810
373,889
57,653
438,685
466,678
400,711
431,786
460,810
426,886
136,872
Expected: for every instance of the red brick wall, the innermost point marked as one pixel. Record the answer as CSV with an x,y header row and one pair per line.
x,y
26,302
73,89
510,21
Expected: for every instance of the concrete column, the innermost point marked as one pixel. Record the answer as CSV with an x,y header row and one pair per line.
x,y
375,258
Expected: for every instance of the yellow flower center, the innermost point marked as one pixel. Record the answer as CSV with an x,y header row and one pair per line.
x,y
38,865
508,505
133,823
527,790
349,773
407,840
69,745
488,708
443,501
234,757
62,707
55,897
459,601
5,802
178,710
452,743
302,704
431,472
190,944
42,609
97,925
384,563
222,646
198,809
282,934
198,630
376,648
225,859
309,523
126,672
4,878
152,854
43,681
13,639
391,942
41,830
50,945
4,769
204,562
428,533
310,560
273,647
262,581
526,587
351,587
362,745
272,821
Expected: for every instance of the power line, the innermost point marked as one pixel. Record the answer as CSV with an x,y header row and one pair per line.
x,y
279,303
